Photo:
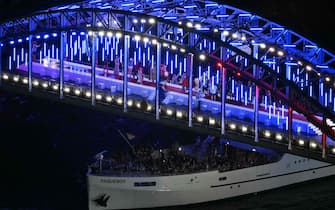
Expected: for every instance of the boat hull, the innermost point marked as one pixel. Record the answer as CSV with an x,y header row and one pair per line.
x,y
117,192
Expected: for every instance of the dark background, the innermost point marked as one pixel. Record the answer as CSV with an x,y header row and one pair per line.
x,y
312,19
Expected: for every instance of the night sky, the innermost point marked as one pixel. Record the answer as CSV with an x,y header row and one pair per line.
x,y
313,19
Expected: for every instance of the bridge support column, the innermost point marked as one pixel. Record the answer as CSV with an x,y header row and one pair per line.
x,y
223,99
61,64
125,72
158,62
94,51
190,86
256,99
290,116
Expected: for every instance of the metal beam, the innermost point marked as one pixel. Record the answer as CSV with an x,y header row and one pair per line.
x,y
256,99
158,62
125,72
30,56
94,51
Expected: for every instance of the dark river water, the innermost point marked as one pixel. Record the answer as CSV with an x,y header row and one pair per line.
x,y
46,146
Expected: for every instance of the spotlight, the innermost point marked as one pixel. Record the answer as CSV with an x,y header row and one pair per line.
x,y
77,92
145,39
225,33
202,57
244,129
25,81
267,134
327,79
149,108
90,33
137,37
235,35
169,112
88,94
66,89
313,145
280,53
16,78
55,87
35,83
308,68
135,21
118,35
333,150
152,21
279,136
216,30
119,101
301,142
197,26
211,121
173,47
138,105
5,77
154,41
109,34
45,85
232,126
130,103
108,98
98,97
143,21
182,50
189,24
272,49
262,45
101,33
179,114
200,118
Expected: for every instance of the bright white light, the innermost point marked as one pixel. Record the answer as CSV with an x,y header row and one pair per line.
x,y
197,26
16,78
173,47
55,87
179,149
46,36
300,63
244,129
301,142
200,118
143,21
130,103
327,79
179,114
225,33
280,53
313,145
149,107
88,94
216,30
5,77
169,112
202,57
179,22
54,34
98,97
189,24
243,38
135,21
101,33
145,39
152,21
108,99
211,121
118,34
137,37
119,101
182,50
232,126
77,92
308,68
279,137
267,134
235,35
272,49
138,105
154,41
333,150
262,45
90,33
253,149
45,85
165,44
109,34
38,37
67,89
35,83
99,24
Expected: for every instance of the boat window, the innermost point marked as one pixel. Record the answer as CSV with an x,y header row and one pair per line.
x,y
144,184
222,178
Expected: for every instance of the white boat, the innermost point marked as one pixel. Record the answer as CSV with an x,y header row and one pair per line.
x,y
142,190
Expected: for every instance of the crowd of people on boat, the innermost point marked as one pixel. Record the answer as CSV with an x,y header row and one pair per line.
x,y
203,155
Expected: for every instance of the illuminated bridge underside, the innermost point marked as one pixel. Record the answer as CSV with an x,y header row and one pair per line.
x,y
256,64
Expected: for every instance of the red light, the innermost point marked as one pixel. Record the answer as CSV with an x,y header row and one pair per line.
x,y
238,74
219,64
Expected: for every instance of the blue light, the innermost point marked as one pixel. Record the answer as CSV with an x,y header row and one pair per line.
x,y
82,33
1,45
27,38
19,40
38,37
74,33
11,42
46,36
54,34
